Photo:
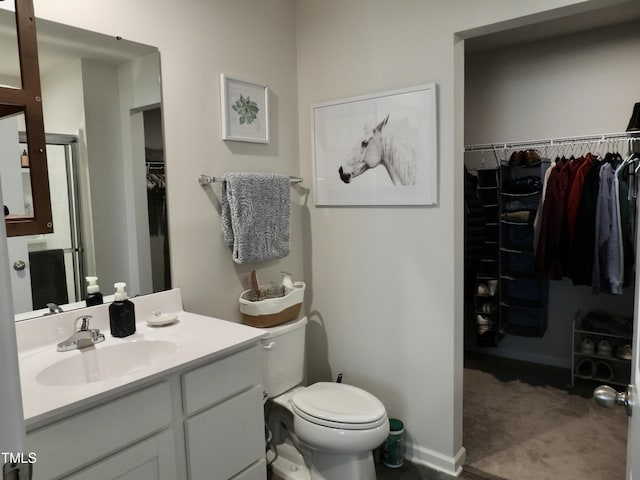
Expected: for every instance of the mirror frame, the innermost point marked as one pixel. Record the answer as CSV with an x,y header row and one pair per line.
x,y
28,100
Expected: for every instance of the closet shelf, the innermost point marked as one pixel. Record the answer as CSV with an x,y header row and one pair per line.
x,y
524,167
516,224
513,250
609,358
518,250
509,275
520,195
550,142
482,276
522,304
601,334
600,380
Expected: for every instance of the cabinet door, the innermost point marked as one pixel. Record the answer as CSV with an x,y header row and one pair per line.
x,y
226,439
254,472
152,459
100,431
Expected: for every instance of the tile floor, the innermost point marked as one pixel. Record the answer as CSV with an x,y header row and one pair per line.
x,y
410,471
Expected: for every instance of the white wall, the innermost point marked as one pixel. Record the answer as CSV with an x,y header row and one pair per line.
x,y
385,295
570,85
578,84
107,174
139,89
386,303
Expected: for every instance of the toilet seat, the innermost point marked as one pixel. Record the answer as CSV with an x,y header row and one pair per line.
x,y
337,405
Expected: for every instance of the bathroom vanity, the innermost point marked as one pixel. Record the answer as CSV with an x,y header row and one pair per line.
x,y
176,401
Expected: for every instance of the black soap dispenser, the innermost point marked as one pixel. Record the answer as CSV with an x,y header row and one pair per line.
x,y
122,313
94,297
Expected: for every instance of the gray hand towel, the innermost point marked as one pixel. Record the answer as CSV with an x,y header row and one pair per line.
x,y
255,215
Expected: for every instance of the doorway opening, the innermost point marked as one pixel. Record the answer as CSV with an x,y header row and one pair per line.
x,y
157,199
528,371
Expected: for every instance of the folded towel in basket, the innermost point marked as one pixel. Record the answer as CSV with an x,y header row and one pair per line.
x,y
256,208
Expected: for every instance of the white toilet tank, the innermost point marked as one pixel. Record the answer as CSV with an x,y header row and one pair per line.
x,y
283,351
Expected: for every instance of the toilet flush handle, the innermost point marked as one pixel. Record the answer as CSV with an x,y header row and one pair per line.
x,y
268,346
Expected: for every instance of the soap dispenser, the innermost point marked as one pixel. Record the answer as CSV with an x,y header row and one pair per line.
x,y
94,297
122,313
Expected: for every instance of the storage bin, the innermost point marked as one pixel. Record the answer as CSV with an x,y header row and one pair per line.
x,y
525,322
393,447
519,263
519,290
271,307
517,236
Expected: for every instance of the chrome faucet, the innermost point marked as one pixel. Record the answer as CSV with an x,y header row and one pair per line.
x,y
83,337
53,308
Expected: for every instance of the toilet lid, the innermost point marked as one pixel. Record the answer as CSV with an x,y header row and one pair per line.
x,y
339,405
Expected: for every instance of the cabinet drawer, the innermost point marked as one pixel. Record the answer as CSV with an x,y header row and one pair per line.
x,y
81,439
212,383
226,439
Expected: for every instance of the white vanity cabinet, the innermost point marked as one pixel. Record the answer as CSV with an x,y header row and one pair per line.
x,y
224,428
204,421
92,435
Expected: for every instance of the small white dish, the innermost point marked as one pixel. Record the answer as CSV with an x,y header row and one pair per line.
x,y
159,318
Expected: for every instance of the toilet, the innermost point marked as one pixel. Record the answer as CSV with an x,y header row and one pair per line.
x,y
325,431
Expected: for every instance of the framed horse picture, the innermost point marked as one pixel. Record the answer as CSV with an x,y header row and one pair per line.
x,y
378,149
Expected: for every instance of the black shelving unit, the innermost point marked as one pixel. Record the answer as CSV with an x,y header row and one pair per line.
x,y
523,292
486,299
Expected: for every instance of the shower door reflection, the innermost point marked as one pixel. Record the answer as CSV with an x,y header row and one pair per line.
x,y
54,264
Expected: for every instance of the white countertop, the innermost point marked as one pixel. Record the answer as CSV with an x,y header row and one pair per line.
x,y
198,338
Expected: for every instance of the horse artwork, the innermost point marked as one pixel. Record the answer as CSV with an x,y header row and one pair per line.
x,y
400,138
381,146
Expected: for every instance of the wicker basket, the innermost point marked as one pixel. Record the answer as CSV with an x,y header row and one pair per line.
x,y
272,307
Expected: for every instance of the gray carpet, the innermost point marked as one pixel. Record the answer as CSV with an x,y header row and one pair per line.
x,y
523,424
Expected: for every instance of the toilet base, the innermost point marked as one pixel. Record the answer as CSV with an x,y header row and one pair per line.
x,y
327,466
289,465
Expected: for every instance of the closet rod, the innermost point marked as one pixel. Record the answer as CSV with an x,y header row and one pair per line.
x,y
206,180
553,141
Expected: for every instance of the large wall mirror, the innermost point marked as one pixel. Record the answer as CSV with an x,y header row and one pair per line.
x,y
101,101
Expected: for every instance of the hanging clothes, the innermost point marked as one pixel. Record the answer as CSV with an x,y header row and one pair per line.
x,y
587,222
605,235
548,257
575,192
583,245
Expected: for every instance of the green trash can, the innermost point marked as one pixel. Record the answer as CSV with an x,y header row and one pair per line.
x,y
393,447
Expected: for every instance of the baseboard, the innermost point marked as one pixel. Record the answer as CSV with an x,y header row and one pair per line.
x,y
435,460
524,356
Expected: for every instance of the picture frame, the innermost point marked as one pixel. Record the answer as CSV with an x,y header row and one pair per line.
x,y
378,149
244,110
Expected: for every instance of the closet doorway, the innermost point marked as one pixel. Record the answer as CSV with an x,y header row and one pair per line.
x,y
530,88
157,199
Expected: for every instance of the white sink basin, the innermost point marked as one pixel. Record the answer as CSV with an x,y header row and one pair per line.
x,y
102,362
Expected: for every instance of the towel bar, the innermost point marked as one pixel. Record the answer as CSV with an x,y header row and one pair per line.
x,y
206,180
